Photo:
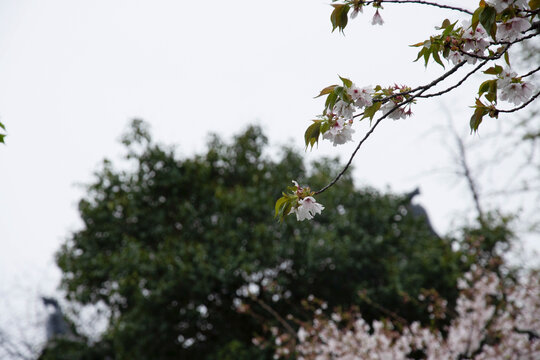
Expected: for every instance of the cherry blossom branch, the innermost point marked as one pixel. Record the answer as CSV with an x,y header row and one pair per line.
x,y
422,89
346,167
478,67
420,2
515,41
522,105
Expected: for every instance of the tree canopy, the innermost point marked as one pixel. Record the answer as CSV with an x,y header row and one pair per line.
x,y
171,245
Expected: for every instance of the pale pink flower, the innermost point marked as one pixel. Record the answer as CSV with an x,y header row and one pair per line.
x,y
344,109
397,114
307,208
377,19
512,29
355,12
455,57
517,93
474,41
505,77
361,96
500,5
339,133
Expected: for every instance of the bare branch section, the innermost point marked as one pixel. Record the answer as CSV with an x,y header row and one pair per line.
x,y
468,176
531,72
419,2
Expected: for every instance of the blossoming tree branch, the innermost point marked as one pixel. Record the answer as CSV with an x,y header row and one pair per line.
x,y
481,42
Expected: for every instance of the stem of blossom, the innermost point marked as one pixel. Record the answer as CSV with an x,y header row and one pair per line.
x,y
422,3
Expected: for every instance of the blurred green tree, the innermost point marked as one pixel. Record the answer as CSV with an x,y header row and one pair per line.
x,y
171,245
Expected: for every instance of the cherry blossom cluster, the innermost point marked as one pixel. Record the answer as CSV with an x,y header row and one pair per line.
x,y
339,15
486,36
342,102
513,88
335,125
299,201
494,320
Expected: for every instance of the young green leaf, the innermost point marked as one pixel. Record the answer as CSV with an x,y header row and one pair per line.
x,y
487,19
369,112
326,90
339,17
346,82
494,70
279,204
311,136
437,58
331,100
476,17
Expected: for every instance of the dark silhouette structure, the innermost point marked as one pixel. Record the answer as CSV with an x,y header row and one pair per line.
x,y
56,324
418,211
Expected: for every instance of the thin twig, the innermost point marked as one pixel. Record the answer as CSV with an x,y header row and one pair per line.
x,y
422,3
468,176
531,72
478,67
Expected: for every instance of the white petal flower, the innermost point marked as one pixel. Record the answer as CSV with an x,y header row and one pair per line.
x,y
377,19
339,134
343,108
307,208
474,41
517,93
355,12
505,78
361,96
512,29
397,114
501,5
455,57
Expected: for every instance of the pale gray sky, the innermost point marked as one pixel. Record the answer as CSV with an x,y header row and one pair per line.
x,y
72,73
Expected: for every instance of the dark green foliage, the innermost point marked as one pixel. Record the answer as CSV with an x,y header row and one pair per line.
x,y
173,234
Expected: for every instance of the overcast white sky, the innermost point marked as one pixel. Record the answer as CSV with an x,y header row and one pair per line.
x,y
73,73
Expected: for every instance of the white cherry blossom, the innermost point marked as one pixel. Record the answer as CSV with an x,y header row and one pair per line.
x,y
517,93
307,208
344,109
501,5
340,133
361,96
455,57
505,77
512,29
355,12
377,19
397,114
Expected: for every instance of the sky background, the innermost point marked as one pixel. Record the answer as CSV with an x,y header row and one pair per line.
x,y
73,73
